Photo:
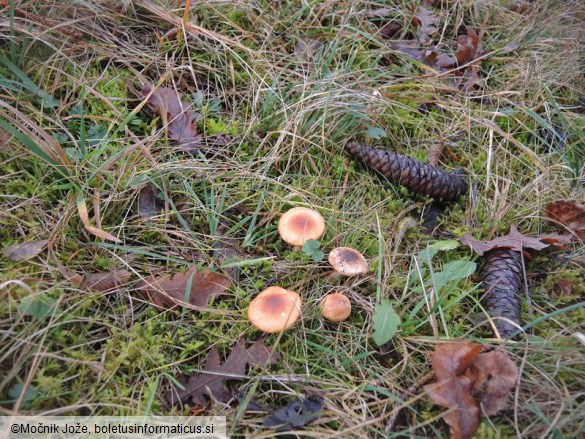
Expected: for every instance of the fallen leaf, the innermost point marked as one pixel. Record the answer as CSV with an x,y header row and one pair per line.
x,y
426,22
435,153
468,47
150,202
296,414
105,281
390,30
21,252
469,383
192,287
562,287
513,240
495,376
567,215
453,389
209,383
177,116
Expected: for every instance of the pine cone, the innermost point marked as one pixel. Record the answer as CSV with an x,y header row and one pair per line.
x,y
501,279
419,177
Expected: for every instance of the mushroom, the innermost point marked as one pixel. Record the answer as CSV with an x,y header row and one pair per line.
x,y
335,307
300,224
347,261
274,310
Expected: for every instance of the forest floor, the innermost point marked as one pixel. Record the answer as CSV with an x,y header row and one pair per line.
x,y
97,180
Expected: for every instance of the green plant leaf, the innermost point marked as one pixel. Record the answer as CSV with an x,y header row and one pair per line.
x,y
38,306
311,246
318,256
452,271
386,322
15,391
376,133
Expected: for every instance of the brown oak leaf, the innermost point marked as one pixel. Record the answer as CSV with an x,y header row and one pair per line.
x,y
513,240
171,290
469,383
105,281
178,117
426,22
209,382
567,215
150,202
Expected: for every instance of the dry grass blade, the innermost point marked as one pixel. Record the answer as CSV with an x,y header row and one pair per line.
x,y
84,216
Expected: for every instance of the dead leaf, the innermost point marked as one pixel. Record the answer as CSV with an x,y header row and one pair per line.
x,y
21,252
513,240
468,47
105,281
562,287
495,376
169,291
567,215
453,389
150,203
209,383
468,381
296,414
177,116
426,22
435,153
390,30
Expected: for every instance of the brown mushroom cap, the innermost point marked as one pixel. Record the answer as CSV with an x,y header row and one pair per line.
x,y
347,261
300,224
274,310
335,307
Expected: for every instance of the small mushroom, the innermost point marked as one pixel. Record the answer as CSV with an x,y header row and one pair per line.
x,y
347,261
335,307
300,224
274,310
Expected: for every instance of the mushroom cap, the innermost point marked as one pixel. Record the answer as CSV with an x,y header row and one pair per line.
x,y
335,307
274,310
300,224
347,261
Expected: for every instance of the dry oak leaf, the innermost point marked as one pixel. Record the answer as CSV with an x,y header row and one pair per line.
x,y
150,202
171,290
176,115
426,22
453,388
209,382
567,215
105,281
468,47
495,375
513,240
468,382
21,252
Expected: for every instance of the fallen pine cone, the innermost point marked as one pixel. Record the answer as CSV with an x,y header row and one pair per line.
x,y
417,176
501,278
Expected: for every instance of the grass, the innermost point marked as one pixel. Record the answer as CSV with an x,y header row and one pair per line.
x,y
72,129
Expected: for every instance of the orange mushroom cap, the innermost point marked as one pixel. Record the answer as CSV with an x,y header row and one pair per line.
x,y
300,224
335,307
347,261
274,310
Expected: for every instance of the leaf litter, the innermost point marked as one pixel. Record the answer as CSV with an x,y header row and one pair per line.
x,y
150,201
179,119
209,383
568,216
193,287
469,384
24,251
